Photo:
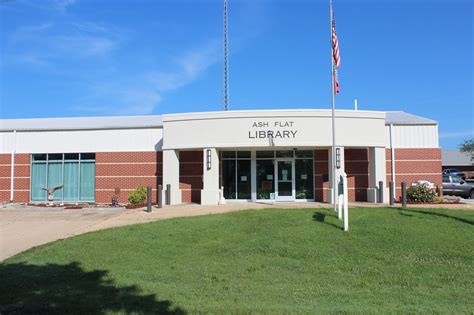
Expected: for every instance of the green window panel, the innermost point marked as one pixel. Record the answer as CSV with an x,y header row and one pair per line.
x,y
55,178
87,184
38,181
71,181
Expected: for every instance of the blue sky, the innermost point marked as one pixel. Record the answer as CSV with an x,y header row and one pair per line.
x,y
104,57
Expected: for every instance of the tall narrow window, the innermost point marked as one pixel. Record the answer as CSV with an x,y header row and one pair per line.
x,y
236,174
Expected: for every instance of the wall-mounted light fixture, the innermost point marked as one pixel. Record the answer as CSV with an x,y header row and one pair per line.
x,y
208,159
338,158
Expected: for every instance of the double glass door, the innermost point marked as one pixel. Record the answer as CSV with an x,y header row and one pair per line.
x,y
285,181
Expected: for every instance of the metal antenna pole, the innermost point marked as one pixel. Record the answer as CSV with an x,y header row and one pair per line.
x,y
334,185
225,70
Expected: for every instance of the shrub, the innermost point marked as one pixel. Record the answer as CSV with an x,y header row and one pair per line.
x,y
138,196
420,193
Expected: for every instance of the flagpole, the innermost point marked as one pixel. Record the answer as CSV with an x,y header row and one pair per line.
x,y
333,114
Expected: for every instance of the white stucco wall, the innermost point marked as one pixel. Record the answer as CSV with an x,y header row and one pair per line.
x,y
413,136
71,141
310,128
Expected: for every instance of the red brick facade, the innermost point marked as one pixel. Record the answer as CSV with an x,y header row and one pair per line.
x,y
22,177
126,171
412,165
356,165
321,174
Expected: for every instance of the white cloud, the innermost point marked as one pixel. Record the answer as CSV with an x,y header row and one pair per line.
x,y
141,94
62,5
48,43
456,134
189,66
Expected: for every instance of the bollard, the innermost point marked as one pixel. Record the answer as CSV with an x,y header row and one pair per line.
x,y
404,195
148,198
392,202
168,194
160,196
381,191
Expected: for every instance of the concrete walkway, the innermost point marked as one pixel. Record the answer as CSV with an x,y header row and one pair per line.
x,y
26,227
23,228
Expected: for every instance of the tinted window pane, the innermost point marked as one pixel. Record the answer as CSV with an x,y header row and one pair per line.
x,y
228,154
265,154
55,178
304,179
243,154
243,179
71,156
38,181
456,179
265,179
71,181
87,184
304,153
228,179
87,156
55,157
39,157
286,153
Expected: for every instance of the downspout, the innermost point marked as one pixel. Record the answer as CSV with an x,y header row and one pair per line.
x,y
12,175
392,155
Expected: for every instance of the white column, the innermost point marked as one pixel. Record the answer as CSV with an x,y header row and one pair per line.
x,y
171,176
377,168
339,172
210,177
253,175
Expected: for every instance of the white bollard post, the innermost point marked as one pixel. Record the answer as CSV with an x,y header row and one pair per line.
x,y
346,203
339,206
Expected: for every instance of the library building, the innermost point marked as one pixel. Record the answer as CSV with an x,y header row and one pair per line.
x,y
207,157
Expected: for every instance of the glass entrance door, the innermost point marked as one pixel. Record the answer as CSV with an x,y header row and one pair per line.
x,y
285,181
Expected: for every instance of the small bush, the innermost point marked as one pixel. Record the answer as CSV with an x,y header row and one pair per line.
x,y
138,196
439,199
420,193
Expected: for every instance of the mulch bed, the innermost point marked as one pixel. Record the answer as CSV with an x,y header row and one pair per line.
x,y
135,206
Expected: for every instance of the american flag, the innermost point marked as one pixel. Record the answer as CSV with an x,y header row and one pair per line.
x,y
335,54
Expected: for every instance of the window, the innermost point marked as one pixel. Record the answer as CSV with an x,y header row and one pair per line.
x,y
265,179
236,174
265,154
76,172
456,179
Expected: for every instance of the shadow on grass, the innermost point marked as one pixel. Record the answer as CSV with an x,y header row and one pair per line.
x,y
432,213
68,289
321,217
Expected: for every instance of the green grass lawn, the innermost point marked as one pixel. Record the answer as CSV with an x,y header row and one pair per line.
x,y
259,261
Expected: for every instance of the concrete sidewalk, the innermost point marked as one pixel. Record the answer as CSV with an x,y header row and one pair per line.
x,y
27,227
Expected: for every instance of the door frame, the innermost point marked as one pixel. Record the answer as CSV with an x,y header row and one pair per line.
x,y
291,198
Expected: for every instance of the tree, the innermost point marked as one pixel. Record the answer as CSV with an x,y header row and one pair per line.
x,y
468,147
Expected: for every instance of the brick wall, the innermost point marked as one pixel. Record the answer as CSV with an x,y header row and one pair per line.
x,y
321,177
190,175
22,177
412,165
126,171
356,165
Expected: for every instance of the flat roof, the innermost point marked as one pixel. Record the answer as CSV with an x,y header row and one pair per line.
x,y
156,121
402,118
456,158
82,123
